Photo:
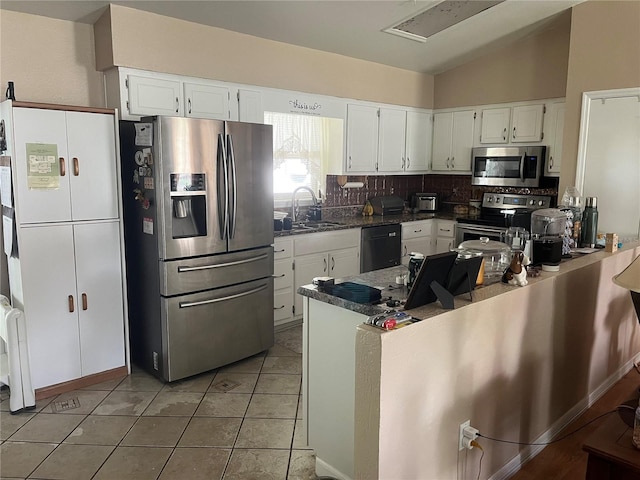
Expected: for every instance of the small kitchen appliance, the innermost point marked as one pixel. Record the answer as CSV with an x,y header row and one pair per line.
x,y
424,202
387,205
547,231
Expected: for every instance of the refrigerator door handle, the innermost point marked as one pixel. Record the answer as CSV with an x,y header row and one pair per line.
x,y
216,300
223,212
221,265
234,187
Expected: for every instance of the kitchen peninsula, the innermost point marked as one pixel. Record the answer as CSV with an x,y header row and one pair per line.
x,y
518,362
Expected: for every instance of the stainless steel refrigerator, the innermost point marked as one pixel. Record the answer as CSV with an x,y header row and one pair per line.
x,y
198,217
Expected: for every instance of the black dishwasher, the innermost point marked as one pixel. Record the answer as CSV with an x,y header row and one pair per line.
x,y
380,247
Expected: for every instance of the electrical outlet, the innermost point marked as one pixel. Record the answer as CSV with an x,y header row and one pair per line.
x,y
461,437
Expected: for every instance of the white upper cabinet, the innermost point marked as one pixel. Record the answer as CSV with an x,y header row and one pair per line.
x,y
418,145
452,141
527,123
206,101
391,140
154,96
82,184
362,138
250,107
554,131
495,125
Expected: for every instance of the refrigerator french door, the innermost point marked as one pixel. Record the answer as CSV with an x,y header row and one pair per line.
x,y
198,202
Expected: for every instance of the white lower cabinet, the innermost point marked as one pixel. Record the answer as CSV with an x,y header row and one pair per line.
x,y
283,293
417,237
73,299
445,235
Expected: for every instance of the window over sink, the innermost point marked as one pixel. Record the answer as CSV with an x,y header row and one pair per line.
x,y
304,147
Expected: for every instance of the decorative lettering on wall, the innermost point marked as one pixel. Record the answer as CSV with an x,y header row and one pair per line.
x,y
304,107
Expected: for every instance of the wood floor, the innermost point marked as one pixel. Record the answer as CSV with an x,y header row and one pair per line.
x,y
565,460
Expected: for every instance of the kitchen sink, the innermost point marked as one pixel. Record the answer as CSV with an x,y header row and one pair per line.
x,y
312,225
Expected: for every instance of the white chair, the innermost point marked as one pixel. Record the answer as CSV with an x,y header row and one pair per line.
x,y
14,361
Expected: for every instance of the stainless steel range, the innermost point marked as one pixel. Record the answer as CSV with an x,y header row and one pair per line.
x,y
498,212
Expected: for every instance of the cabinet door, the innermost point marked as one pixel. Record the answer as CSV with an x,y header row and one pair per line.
x,y
362,138
462,141
206,101
422,245
307,267
154,96
92,166
250,106
391,141
38,133
344,263
282,306
50,303
527,123
442,137
418,148
555,129
495,125
99,298
444,244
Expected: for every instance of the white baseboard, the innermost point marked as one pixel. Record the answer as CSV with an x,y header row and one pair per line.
x,y
514,465
324,469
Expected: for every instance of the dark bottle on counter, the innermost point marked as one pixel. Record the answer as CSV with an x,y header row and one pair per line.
x,y
589,223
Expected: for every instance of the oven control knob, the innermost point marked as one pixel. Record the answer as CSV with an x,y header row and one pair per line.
x,y
532,202
498,199
490,199
541,202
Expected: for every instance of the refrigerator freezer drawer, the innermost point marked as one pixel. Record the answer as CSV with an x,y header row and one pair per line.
x,y
213,271
210,329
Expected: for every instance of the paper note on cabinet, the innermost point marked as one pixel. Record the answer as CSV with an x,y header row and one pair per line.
x,y
7,233
43,169
5,186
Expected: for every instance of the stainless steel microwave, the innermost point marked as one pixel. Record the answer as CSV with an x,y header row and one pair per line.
x,y
513,166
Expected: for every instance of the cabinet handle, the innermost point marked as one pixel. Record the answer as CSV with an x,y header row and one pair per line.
x,y
278,308
71,307
403,162
333,263
417,231
76,167
514,132
278,251
279,276
349,162
177,104
84,301
408,162
453,164
447,162
551,161
504,134
405,251
63,168
325,265
189,106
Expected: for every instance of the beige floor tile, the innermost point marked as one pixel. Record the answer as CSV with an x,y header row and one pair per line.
x,y
47,427
125,403
140,381
266,405
156,432
40,405
73,462
283,365
223,405
302,465
265,433
134,463
9,424
174,404
248,365
198,384
211,432
279,383
281,351
101,430
107,385
257,465
290,338
77,402
196,464
234,382
20,459
299,437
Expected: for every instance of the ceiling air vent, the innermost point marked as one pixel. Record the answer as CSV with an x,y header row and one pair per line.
x,y
440,17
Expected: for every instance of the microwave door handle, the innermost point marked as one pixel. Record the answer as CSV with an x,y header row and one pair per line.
x,y
223,212
233,210
524,155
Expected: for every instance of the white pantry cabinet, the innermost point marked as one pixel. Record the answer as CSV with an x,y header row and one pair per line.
x,y
74,305
452,140
554,131
84,175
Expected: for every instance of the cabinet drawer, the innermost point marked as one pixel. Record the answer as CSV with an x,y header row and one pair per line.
x,y
421,228
282,274
282,304
446,228
282,248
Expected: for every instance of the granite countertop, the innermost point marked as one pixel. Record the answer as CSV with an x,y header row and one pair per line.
x,y
358,221
385,280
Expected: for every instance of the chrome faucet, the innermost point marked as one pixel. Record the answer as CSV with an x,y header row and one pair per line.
x,y
293,200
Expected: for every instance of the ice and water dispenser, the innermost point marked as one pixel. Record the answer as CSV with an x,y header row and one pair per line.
x,y
189,205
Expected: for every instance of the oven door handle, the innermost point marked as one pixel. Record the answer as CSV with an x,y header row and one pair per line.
x,y
216,300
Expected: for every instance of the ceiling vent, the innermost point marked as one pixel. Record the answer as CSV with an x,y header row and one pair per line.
x,y
440,17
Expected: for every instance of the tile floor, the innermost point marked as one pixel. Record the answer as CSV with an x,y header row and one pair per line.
x,y
240,422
